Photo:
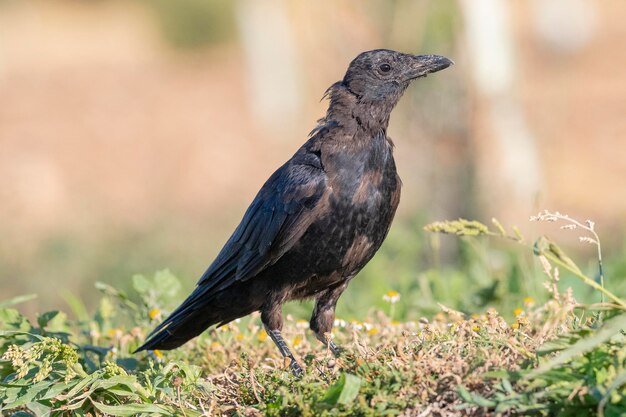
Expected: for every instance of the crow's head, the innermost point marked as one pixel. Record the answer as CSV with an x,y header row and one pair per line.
x,y
382,75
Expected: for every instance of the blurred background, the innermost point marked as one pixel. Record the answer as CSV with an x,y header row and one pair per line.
x,y
134,134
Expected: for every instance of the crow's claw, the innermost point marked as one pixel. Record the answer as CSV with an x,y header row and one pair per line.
x,y
296,369
336,350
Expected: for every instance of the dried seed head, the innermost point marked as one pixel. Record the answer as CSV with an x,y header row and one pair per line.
x,y
585,239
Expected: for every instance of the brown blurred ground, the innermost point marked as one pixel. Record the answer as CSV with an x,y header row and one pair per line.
x,y
108,134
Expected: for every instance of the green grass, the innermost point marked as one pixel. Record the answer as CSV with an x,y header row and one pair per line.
x,y
502,341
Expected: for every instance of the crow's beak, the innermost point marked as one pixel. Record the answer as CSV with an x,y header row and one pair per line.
x,y
426,64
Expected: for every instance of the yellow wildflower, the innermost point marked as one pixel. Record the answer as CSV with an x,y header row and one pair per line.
x,y
296,341
115,333
158,353
518,312
439,317
153,313
529,301
262,336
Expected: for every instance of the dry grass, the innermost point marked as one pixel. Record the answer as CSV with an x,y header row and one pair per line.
x,y
414,368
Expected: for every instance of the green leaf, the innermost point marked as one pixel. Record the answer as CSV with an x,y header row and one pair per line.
x,y
122,392
74,406
133,409
17,300
562,342
558,252
609,329
76,305
619,381
11,394
166,284
464,394
344,391
482,401
10,317
129,364
98,350
113,292
45,318
127,381
30,394
58,388
40,410
141,284
21,414
80,386
473,398
105,311
506,385
4,333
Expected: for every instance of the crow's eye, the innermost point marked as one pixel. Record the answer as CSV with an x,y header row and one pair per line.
x,y
385,67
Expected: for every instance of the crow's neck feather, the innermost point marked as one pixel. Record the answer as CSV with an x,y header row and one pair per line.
x,y
350,110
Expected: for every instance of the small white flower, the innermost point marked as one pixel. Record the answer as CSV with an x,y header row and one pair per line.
x,y
356,325
392,297
339,323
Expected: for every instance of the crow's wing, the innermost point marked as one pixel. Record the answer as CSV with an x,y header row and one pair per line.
x,y
281,212
279,215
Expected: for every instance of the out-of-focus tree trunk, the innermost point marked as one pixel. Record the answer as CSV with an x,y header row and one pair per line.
x,y
271,55
509,171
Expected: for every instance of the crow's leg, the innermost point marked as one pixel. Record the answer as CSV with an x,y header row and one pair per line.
x,y
295,367
272,318
324,316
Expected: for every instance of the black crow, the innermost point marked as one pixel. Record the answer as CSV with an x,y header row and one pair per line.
x,y
317,220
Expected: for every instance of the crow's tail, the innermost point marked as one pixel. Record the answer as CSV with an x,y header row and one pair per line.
x,y
182,325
